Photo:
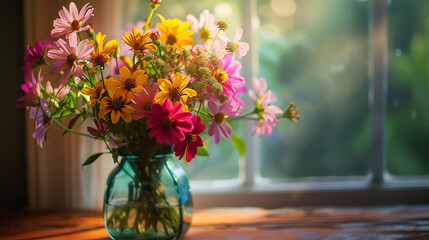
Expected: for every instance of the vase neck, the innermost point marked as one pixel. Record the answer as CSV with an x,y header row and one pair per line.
x,y
138,151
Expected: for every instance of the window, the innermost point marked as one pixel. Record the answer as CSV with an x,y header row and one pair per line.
x,y
364,116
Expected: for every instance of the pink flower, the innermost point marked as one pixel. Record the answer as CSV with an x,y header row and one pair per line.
x,y
72,21
59,92
228,76
218,124
32,91
242,47
206,29
192,140
101,130
168,122
67,57
36,55
142,101
263,104
263,127
42,121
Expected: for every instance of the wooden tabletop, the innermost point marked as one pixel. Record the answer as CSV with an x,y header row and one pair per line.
x,y
387,222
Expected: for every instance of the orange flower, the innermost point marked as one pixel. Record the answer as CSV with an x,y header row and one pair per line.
x,y
94,94
117,104
138,42
101,55
130,82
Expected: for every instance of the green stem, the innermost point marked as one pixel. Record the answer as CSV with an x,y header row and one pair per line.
x,y
156,70
148,20
242,116
213,42
204,113
71,130
102,77
204,96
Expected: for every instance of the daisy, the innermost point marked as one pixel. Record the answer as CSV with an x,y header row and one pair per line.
x,y
101,55
206,29
174,32
32,91
241,47
67,57
117,104
228,76
168,122
95,93
192,140
72,21
218,124
176,91
36,56
142,101
100,131
130,82
138,42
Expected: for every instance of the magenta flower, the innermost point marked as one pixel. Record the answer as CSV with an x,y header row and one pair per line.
x,y
263,104
72,21
100,130
218,124
228,76
242,47
67,57
36,56
42,121
142,101
168,122
192,140
32,91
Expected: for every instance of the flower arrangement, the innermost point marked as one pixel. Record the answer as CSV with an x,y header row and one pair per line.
x,y
170,84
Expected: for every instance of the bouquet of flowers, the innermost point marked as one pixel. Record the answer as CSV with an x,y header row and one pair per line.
x,y
170,84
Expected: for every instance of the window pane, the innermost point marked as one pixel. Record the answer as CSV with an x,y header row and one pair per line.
x,y
407,129
223,161
316,53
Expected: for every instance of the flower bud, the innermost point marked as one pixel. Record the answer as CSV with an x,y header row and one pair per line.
x,y
186,52
190,69
217,87
214,61
291,112
205,72
211,81
230,47
222,98
154,4
90,31
178,69
154,36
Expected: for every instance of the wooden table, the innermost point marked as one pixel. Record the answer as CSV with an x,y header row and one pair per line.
x,y
387,222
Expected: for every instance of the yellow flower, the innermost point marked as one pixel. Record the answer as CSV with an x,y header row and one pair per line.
x,y
94,94
175,32
101,56
117,104
177,91
130,82
138,42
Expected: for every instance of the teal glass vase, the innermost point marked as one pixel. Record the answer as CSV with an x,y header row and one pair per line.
x,y
147,196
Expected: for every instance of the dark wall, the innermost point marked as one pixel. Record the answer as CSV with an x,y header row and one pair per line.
x,y
13,171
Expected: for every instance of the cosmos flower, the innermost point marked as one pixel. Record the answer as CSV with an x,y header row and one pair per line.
x,y
71,21
218,125
142,101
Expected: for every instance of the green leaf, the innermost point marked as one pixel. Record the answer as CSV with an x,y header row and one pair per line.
x,y
71,123
74,98
239,144
61,113
92,159
202,151
65,100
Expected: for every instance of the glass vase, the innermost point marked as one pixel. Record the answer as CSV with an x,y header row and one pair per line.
x,y
147,197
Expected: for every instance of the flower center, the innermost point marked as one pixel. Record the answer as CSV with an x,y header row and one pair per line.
x,y
175,94
190,137
71,59
205,34
117,104
130,83
171,39
46,120
220,75
136,46
75,25
168,121
98,92
219,117
101,60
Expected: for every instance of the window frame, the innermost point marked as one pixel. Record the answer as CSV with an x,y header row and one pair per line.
x,y
377,187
